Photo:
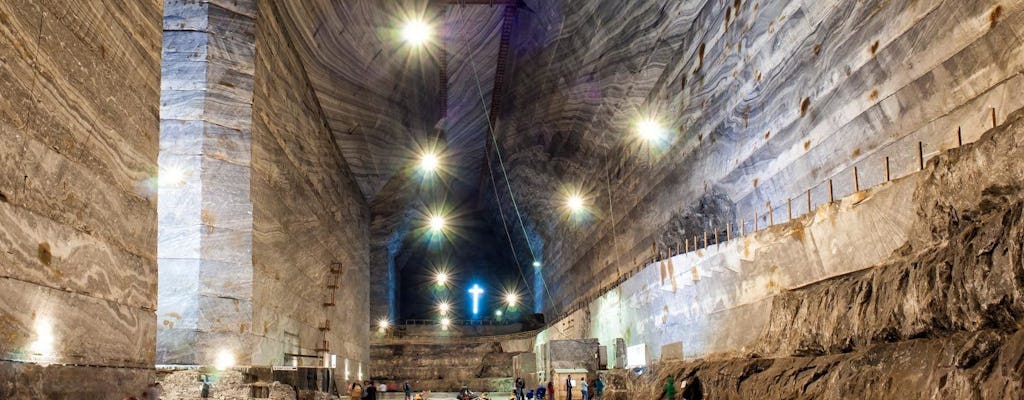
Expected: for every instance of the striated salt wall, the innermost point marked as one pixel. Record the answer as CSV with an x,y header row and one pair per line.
x,y
79,131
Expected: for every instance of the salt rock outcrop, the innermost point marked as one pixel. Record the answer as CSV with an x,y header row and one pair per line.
x,y
940,319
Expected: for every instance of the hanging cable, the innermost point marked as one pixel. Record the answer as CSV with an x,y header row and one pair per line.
x,y
508,185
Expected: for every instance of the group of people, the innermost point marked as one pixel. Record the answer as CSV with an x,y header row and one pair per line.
x,y
369,390
544,392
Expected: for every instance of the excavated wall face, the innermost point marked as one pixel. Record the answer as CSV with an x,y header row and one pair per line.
x,y
482,366
765,100
79,96
939,318
308,214
268,209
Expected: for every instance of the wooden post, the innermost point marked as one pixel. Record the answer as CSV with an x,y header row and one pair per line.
x,y
686,243
717,243
771,214
789,208
755,221
887,176
831,193
856,180
993,117
920,156
728,231
808,201
959,137
743,227
705,239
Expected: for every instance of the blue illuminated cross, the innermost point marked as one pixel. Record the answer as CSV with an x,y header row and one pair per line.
x,y
476,291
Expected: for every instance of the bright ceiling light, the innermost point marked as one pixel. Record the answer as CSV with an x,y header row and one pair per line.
x,y
649,130
511,299
416,32
575,203
437,223
429,162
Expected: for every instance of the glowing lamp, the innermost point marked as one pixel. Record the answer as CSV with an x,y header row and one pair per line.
x,y
575,203
511,299
442,278
429,162
437,223
649,130
536,264
224,360
444,308
416,32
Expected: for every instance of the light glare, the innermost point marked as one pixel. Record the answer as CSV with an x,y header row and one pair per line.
x,y
575,203
416,32
444,307
437,223
43,345
224,360
383,324
429,162
511,299
649,130
442,278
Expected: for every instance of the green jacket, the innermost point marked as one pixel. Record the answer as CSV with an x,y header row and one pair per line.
x,y
670,388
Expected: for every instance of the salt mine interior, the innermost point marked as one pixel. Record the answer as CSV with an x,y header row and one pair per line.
x,y
511,199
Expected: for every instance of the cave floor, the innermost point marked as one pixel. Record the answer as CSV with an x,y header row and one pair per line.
x,y
443,396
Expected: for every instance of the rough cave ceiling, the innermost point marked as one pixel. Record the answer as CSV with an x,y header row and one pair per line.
x,y
577,76
569,95
384,103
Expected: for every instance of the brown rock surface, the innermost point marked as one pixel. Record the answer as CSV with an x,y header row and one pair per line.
x,y
940,319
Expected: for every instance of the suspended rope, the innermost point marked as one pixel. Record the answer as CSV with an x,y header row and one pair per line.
x,y
508,185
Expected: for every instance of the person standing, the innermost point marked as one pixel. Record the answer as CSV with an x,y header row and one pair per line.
x,y
370,393
670,389
568,387
408,390
551,390
583,388
355,392
598,387
520,385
